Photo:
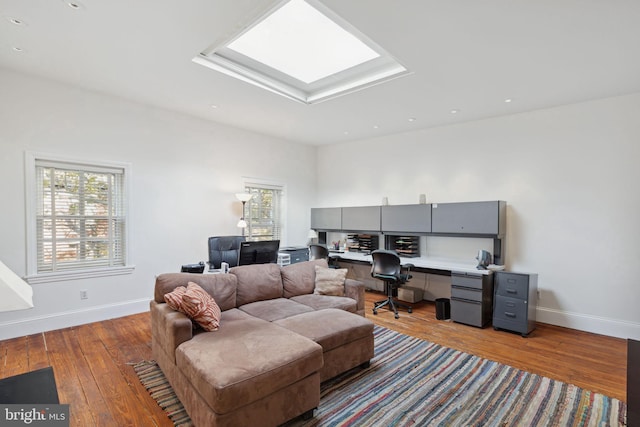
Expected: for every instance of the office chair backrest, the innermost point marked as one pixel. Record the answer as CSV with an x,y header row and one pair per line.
x,y
224,249
385,263
318,252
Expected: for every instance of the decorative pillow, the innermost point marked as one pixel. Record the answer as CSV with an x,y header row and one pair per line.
x,y
174,298
201,307
330,281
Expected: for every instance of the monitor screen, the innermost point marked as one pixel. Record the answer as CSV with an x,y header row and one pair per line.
x,y
260,252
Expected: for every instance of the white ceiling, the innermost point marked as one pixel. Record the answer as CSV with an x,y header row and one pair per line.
x,y
466,55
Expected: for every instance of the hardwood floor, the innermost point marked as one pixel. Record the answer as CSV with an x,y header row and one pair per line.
x,y
92,363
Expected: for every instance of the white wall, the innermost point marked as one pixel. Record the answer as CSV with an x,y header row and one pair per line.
x,y
569,176
185,172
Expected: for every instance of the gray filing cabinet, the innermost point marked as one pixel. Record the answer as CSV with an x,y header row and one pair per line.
x,y
471,298
297,254
515,302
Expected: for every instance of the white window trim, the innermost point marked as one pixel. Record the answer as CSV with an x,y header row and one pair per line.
x,y
33,277
268,183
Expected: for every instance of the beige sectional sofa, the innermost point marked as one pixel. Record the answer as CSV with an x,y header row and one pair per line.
x,y
276,342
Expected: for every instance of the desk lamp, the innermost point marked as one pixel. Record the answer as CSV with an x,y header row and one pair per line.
x,y
15,293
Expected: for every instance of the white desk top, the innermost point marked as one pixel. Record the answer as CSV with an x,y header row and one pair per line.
x,y
435,263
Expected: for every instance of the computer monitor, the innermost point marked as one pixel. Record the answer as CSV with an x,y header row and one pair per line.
x,y
259,252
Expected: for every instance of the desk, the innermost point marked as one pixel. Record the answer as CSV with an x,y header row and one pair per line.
x,y
432,265
471,289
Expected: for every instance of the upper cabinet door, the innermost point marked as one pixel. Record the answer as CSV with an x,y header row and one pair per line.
x,y
326,218
406,219
361,218
485,218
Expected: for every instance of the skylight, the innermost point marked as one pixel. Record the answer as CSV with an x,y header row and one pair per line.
x,y
303,51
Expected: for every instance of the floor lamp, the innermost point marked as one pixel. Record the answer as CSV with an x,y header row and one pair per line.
x,y
244,198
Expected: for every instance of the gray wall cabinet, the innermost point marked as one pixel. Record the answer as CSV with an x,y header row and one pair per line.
x,y
326,218
477,218
361,218
406,219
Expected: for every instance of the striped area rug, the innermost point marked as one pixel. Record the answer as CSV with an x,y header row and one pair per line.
x,y
412,382
158,386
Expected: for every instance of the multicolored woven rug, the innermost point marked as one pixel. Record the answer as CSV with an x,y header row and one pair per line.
x,y
412,382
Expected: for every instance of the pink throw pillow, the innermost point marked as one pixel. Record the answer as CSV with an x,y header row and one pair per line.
x,y
201,307
174,298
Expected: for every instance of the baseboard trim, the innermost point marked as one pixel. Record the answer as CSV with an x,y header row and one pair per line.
x,y
595,324
65,319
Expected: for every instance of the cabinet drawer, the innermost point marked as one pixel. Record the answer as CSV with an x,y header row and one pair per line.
x,y
466,280
466,293
512,309
512,285
468,312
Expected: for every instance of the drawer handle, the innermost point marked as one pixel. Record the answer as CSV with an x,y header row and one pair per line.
x,y
510,304
511,280
509,314
512,291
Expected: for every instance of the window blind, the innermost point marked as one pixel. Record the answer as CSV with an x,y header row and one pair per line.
x,y
80,216
264,212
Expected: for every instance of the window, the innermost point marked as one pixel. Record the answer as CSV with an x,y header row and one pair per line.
x,y
78,218
264,214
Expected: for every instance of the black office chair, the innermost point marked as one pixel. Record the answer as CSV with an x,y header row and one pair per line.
x,y
224,249
318,252
321,252
386,267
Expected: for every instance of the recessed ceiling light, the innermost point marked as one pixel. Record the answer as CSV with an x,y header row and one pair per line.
x,y
508,100
412,119
17,49
214,106
346,132
16,21
376,126
455,111
73,4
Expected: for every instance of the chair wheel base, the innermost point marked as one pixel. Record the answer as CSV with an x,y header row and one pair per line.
x,y
375,311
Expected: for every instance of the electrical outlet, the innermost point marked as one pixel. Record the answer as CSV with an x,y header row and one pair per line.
x,y
84,294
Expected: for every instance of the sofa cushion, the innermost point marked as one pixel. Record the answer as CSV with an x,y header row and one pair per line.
x,y
257,282
331,328
299,278
330,281
222,287
245,360
201,307
275,309
319,302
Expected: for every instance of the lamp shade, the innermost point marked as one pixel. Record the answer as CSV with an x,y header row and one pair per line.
x,y
243,197
15,293
312,234
242,224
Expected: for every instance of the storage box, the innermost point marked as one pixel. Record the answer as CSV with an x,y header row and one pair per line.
x,y
409,294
